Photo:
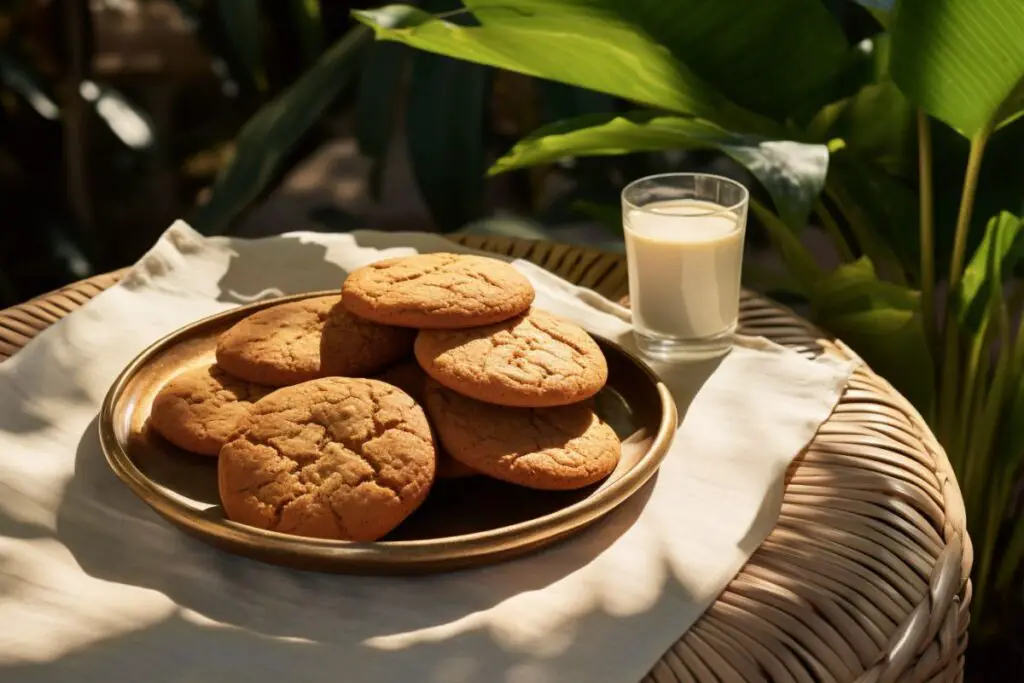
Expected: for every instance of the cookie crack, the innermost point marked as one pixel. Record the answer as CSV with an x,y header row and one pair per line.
x,y
392,279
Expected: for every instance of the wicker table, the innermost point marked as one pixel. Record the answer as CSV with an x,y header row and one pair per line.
x,y
865,578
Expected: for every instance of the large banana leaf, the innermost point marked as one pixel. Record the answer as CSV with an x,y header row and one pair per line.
x,y
882,321
962,60
578,44
762,55
265,140
792,173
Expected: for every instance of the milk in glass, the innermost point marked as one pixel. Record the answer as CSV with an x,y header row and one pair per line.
x,y
685,259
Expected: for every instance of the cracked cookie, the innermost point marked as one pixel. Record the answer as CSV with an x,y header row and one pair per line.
x,y
531,361
561,448
303,340
335,458
410,378
437,291
199,409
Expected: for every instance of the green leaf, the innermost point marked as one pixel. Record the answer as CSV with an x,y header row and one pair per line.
x,y
308,27
981,290
266,139
881,212
376,103
580,44
762,55
242,24
445,130
877,123
793,173
959,59
882,321
376,98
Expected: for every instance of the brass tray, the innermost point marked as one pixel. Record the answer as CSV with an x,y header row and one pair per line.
x,y
463,523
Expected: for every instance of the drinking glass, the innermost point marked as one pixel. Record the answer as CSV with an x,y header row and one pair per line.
x,y
684,250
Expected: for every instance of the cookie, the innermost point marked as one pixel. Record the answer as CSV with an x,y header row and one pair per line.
x,y
437,291
336,458
303,340
530,361
561,448
199,409
410,378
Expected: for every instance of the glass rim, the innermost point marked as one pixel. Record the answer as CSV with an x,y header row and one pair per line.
x,y
725,209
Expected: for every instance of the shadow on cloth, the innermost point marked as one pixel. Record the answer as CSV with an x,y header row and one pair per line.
x,y
305,263
292,622
257,267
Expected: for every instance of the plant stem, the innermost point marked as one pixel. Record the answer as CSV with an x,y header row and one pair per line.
x,y
996,506
828,222
924,171
950,374
973,396
963,219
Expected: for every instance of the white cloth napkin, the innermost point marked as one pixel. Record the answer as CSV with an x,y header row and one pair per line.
x,y
95,587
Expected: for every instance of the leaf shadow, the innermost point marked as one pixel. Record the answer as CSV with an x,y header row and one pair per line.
x,y
288,264
114,537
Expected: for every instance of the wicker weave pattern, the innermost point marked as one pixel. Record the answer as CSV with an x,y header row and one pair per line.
x,y
864,579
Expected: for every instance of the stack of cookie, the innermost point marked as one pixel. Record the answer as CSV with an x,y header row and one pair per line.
x,y
307,446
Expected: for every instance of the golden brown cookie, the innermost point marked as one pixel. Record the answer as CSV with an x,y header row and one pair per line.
x,y
531,361
303,340
444,291
410,378
200,408
561,448
336,458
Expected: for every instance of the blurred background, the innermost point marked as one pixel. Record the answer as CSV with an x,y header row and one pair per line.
x,y
117,116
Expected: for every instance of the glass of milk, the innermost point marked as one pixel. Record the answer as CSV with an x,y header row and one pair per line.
x,y
684,249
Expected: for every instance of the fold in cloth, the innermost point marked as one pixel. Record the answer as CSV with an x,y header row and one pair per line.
x,y
95,587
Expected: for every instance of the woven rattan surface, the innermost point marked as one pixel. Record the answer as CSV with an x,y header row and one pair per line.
x,y
865,578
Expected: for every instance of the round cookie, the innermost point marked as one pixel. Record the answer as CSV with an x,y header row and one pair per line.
x,y
561,448
531,361
199,409
437,291
303,340
335,458
410,378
